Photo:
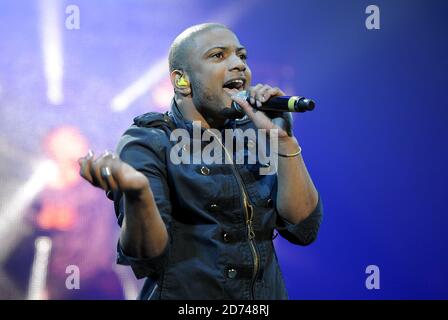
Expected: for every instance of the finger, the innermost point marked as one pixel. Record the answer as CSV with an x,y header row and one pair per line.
x,y
253,91
85,164
244,104
106,175
259,119
273,92
266,92
261,95
109,171
95,169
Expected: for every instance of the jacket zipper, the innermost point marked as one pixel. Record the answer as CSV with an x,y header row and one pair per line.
x,y
249,216
153,291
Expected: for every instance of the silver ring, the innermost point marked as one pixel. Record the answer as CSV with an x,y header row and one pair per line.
x,y
105,172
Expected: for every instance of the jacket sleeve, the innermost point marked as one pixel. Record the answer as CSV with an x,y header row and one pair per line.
x,y
305,232
144,150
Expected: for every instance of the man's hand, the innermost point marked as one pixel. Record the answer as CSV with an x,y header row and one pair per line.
x,y
269,120
108,172
143,232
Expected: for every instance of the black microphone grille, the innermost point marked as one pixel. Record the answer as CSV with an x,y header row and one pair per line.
x,y
306,104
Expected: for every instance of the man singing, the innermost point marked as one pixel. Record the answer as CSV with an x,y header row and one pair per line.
x,y
205,230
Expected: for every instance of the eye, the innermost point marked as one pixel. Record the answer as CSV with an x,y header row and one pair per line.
x,y
243,56
218,55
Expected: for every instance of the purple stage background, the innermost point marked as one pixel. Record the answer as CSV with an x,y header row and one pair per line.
x,y
375,145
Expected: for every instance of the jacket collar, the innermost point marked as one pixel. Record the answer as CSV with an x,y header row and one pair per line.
x,y
183,123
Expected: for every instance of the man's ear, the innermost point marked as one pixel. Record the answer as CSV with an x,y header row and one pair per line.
x,y
180,82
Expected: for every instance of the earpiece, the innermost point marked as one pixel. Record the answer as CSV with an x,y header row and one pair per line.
x,y
182,82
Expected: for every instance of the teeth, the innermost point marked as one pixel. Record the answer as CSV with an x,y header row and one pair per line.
x,y
237,81
236,84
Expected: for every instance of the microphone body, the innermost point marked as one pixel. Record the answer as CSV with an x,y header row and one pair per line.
x,y
278,104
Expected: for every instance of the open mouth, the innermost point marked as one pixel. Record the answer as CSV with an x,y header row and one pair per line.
x,y
234,86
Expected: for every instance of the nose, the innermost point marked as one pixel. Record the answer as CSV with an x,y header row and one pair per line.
x,y
236,63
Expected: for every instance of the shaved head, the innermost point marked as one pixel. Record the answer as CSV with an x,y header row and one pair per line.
x,y
208,57
182,45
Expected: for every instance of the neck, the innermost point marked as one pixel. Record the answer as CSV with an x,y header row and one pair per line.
x,y
190,112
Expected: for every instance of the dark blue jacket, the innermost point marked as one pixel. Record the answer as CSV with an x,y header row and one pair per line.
x,y
219,247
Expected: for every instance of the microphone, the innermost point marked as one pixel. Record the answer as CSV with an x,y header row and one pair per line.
x,y
274,104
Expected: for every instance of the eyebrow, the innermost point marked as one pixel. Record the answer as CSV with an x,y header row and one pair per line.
x,y
223,48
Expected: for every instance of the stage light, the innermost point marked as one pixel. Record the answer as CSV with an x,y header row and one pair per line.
x,y
13,213
162,95
38,278
55,216
65,145
154,74
51,43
